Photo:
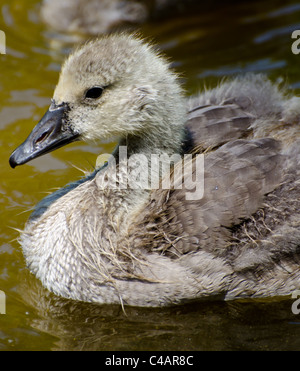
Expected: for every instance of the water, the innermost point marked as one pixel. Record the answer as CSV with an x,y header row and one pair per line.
x,y
219,39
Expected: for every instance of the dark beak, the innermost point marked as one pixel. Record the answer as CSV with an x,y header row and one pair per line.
x,y
50,133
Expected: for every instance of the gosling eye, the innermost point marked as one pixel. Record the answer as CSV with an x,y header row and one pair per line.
x,y
94,93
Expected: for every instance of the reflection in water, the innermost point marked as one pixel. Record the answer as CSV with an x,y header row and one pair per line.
x,y
225,38
236,325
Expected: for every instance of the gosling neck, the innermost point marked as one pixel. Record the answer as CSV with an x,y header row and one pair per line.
x,y
164,134
147,145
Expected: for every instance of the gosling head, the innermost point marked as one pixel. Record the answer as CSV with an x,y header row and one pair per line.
x,y
113,87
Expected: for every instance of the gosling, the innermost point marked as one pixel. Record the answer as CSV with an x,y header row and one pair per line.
x,y
240,238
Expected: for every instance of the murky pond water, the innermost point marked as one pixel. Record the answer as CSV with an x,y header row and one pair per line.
x,y
219,39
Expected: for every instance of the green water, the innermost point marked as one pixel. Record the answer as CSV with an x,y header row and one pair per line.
x,y
219,39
